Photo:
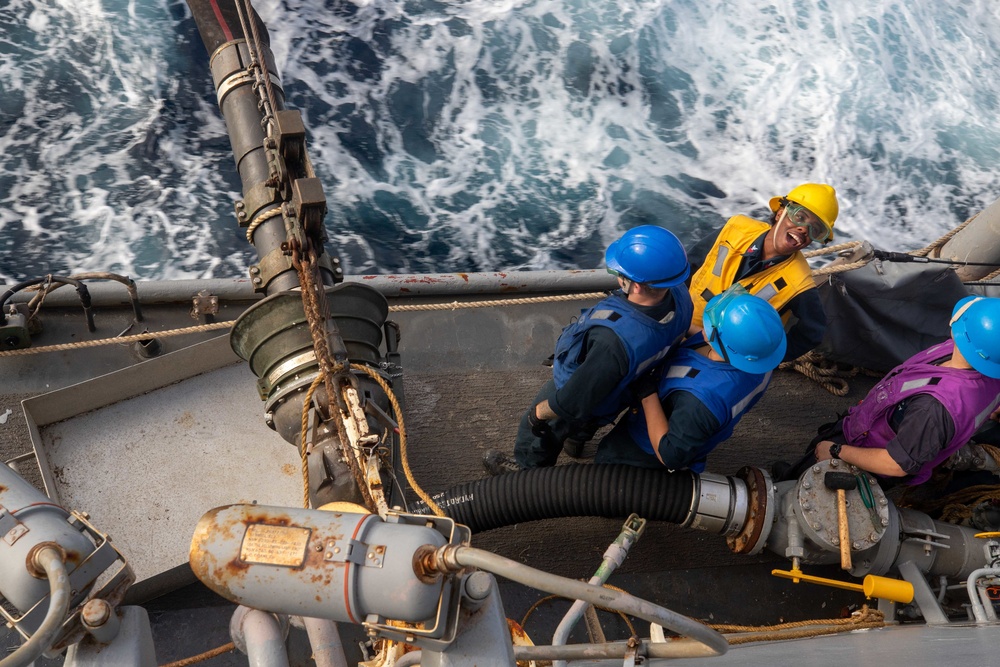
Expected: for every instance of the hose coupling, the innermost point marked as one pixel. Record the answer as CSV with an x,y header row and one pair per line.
x,y
429,562
34,561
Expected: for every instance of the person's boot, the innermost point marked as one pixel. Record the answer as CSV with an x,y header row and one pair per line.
x,y
498,463
573,448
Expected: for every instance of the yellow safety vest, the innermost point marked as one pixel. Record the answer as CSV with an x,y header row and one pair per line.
x,y
777,284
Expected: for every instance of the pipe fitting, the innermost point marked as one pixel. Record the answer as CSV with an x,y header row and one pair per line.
x,y
100,620
35,559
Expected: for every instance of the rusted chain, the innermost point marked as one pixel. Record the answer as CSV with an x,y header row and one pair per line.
x,y
398,410
316,309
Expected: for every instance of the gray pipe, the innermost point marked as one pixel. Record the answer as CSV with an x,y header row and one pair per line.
x,y
409,659
50,560
978,610
977,242
613,558
598,595
505,284
327,648
259,635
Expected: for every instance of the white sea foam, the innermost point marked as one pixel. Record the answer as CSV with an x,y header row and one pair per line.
x,y
494,135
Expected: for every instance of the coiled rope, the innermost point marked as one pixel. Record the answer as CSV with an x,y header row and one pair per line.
x,y
826,373
956,507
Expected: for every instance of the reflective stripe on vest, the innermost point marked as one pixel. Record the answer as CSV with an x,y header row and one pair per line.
x,y
646,341
777,284
968,396
724,390
752,396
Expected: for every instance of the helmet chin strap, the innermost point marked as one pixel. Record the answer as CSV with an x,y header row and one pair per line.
x,y
961,311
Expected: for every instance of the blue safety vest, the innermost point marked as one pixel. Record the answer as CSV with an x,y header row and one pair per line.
x,y
725,390
646,341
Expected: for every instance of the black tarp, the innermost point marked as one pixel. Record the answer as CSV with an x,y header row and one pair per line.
x,y
881,314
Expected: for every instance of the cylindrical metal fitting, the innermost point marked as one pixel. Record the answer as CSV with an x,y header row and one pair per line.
x,y
333,565
719,504
100,620
29,519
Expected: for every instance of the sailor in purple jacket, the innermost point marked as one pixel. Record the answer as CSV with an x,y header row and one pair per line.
x,y
928,406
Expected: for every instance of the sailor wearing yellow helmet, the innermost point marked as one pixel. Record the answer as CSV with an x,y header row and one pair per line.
x,y
766,258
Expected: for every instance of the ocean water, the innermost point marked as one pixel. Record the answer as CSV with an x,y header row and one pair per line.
x,y
486,135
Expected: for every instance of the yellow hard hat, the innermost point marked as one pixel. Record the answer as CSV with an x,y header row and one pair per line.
x,y
819,198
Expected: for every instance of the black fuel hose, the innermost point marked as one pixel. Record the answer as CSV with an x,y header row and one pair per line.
x,y
610,491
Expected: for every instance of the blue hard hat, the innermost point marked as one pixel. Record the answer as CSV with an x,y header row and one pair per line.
x,y
650,255
975,326
746,330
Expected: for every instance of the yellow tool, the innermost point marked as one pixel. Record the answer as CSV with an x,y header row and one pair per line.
x,y
873,586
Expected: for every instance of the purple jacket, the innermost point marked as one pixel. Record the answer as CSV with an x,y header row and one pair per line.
x,y
967,395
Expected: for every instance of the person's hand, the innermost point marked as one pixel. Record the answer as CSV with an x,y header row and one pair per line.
x,y
539,427
645,385
995,415
823,450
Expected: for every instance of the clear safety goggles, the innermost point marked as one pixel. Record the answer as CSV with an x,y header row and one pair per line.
x,y
800,216
715,311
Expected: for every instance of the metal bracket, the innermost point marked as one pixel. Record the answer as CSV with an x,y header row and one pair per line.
x,y
634,525
10,527
204,304
309,204
257,198
14,332
353,551
276,262
291,134
632,652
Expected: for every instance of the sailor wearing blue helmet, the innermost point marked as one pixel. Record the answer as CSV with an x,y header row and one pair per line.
x,y
926,408
599,355
692,403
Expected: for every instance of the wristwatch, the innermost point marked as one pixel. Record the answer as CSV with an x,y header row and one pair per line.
x,y
835,450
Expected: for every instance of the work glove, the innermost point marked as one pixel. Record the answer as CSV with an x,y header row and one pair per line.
x,y
539,427
645,385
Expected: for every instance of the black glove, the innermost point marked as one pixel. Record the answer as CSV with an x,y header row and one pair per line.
x,y
539,427
645,384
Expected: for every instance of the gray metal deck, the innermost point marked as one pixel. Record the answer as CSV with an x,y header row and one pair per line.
x,y
469,374
899,646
